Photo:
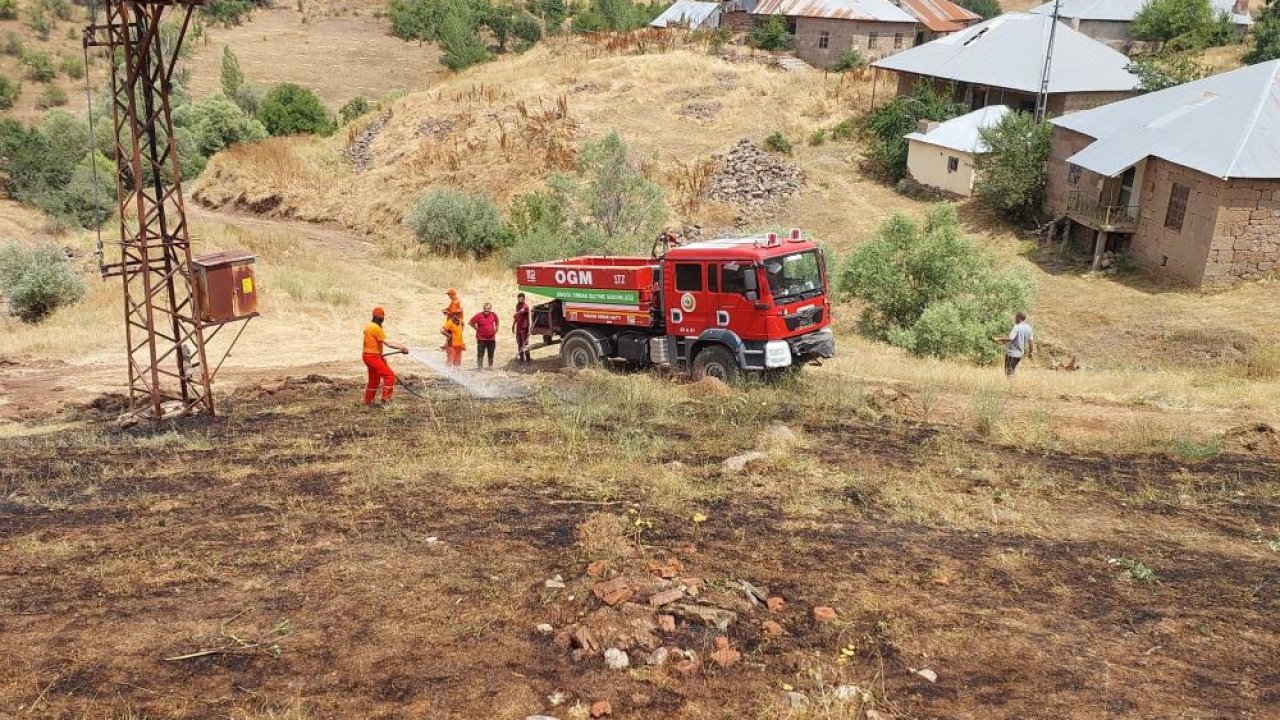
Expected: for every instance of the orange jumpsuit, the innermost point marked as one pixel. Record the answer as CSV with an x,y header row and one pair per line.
x,y
379,371
454,344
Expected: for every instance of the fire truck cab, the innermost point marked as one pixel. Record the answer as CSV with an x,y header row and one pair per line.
x,y
710,308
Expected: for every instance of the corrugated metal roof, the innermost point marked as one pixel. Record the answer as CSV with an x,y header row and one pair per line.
x,y
942,16
964,133
875,10
1124,10
689,13
1226,125
1007,51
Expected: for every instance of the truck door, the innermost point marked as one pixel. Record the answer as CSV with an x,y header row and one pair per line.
x,y
734,310
688,308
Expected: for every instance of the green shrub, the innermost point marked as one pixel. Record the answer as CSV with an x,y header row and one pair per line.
x,y
290,109
607,207
615,16
249,97
777,142
8,9
461,44
552,12
457,223
929,290
845,130
986,8
229,73
525,28
40,67
817,137
772,35
1266,35
1185,24
226,12
888,125
355,107
51,96
37,280
216,123
40,22
72,67
9,92
91,194
417,19
1167,69
12,44
1012,175
849,60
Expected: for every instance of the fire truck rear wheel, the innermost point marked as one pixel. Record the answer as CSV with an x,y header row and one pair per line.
x,y
578,352
715,361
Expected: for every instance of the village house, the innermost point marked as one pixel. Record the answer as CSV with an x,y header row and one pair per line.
x,y
1109,21
690,15
1001,61
937,18
825,30
1185,181
942,156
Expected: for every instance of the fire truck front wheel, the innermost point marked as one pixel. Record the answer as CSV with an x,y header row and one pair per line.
x,y
578,351
715,361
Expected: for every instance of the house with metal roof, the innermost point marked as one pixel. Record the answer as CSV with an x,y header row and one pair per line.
x,y
689,14
943,156
1001,62
825,30
1185,180
1109,21
937,18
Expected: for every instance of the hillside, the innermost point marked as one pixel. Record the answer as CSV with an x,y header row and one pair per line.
x,y
62,47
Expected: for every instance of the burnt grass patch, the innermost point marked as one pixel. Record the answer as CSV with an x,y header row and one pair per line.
x,y
411,579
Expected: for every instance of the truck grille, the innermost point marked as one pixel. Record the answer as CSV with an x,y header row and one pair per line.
x,y
804,318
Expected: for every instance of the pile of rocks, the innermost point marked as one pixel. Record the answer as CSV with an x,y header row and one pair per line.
x,y
751,177
1107,263
359,152
436,127
701,109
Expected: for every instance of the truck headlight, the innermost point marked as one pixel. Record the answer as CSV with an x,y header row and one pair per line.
x,y
777,353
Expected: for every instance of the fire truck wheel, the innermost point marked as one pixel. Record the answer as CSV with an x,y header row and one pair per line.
x,y
578,352
715,361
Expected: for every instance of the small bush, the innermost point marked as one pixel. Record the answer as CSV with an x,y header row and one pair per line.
x,y
1197,450
817,137
37,280
988,408
850,60
249,97
457,223
51,96
1262,363
60,9
777,142
461,44
72,67
889,124
772,35
9,92
845,130
986,8
1135,569
355,107
12,44
40,22
1167,69
40,67
217,123
8,10
291,109
226,12
1183,24
1266,35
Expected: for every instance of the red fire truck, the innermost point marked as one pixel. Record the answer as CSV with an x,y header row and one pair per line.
x,y
709,308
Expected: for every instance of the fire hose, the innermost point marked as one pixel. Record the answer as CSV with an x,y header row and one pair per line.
x,y
401,383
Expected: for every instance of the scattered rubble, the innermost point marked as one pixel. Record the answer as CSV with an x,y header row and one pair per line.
x,y
752,178
776,604
771,628
822,613
545,629
701,110
554,583
436,127
725,655
796,700
738,463
601,708
360,152
616,659
1253,439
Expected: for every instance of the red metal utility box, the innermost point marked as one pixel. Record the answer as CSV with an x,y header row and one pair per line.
x,y
225,288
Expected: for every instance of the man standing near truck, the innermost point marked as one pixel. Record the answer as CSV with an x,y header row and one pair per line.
x,y
379,372
1018,345
485,323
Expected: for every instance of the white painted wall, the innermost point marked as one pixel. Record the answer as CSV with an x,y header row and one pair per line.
x,y
927,165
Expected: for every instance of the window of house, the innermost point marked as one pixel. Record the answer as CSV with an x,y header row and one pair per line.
x,y
1177,212
953,164
897,40
1073,174
688,277
872,38
824,39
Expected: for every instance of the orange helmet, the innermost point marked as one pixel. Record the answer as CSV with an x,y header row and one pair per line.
x,y
452,293
378,312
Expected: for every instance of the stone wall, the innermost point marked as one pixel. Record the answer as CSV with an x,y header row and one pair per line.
x,y
1065,103
844,35
1065,144
1246,237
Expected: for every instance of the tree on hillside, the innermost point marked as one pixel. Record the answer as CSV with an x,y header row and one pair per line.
x,y
772,35
290,109
457,223
458,39
608,207
931,291
1266,35
986,8
232,77
1167,69
887,125
1184,24
1012,175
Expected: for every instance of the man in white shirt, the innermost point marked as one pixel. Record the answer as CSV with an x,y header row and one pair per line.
x,y
1018,345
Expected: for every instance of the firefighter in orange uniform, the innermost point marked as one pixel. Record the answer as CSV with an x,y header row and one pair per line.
x,y
455,308
374,338
453,340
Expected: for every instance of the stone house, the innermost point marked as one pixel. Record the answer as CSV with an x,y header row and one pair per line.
x,y
1109,21
825,30
1185,181
1000,62
937,18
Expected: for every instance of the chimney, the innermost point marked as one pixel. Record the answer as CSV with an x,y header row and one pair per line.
x,y
924,127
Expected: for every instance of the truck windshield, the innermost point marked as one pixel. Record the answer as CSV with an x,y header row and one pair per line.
x,y
794,277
